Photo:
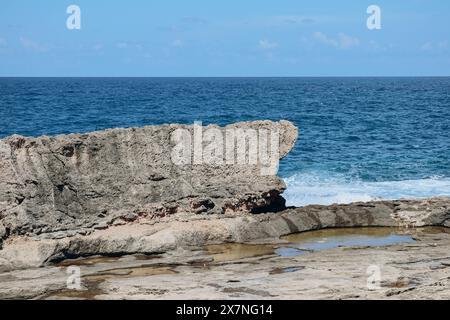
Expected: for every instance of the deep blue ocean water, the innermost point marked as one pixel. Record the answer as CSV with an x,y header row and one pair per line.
x,y
360,138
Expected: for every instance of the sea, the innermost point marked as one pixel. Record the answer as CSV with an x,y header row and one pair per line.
x,y
360,139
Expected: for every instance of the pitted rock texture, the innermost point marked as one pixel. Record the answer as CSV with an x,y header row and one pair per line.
x,y
180,231
70,183
118,192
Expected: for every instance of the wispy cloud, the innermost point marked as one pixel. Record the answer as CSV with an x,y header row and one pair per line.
x,y
266,44
98,47
324,39
277,21
177,43
194,21
32,45
3,45
438,46
342,41
346,41
129,45
379,47
291,19
185,24
122,45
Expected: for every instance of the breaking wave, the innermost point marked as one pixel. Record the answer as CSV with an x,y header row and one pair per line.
x,y
324,188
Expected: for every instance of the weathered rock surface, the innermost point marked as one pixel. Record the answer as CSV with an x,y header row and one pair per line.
x,y
418,270
118,192
184,230
68,184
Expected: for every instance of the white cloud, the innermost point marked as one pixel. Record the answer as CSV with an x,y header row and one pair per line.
x,y
438,46
177,43
346,41
443,44
342,41
323,38
266,44
427,46
97,47
291,19
122,45
377,47
32,45
129,45
194,21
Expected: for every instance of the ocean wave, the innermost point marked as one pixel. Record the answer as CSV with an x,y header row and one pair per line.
x,y
325,188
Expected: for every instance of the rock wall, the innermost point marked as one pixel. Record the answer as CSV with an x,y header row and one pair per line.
x,y
119,192
80,182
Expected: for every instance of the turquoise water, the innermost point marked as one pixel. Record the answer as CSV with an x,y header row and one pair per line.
x,y
360,138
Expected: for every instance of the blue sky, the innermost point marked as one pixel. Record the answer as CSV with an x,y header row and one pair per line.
x,y
226,38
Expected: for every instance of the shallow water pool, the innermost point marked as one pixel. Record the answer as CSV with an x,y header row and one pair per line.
x,y
343,237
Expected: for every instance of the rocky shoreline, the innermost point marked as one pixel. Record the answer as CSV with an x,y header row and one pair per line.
x,y
117,193
56,188
417,270
184,231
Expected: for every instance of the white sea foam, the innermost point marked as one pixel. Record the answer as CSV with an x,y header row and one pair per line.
x,y
320,188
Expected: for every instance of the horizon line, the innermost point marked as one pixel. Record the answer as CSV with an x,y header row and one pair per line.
x,y
162,77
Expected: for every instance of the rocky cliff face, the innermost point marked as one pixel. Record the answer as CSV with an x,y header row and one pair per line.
x,y
79,182
159,188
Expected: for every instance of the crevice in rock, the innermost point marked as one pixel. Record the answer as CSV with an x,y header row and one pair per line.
x,y
274,205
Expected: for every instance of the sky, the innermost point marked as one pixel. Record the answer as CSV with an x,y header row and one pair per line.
x,y
224,38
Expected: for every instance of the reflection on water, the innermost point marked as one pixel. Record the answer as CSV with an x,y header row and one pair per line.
x,y
431,230
94,260
286,270
92,282
300,243
141,271
344,237
290,252
87,261
310,241
236,251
